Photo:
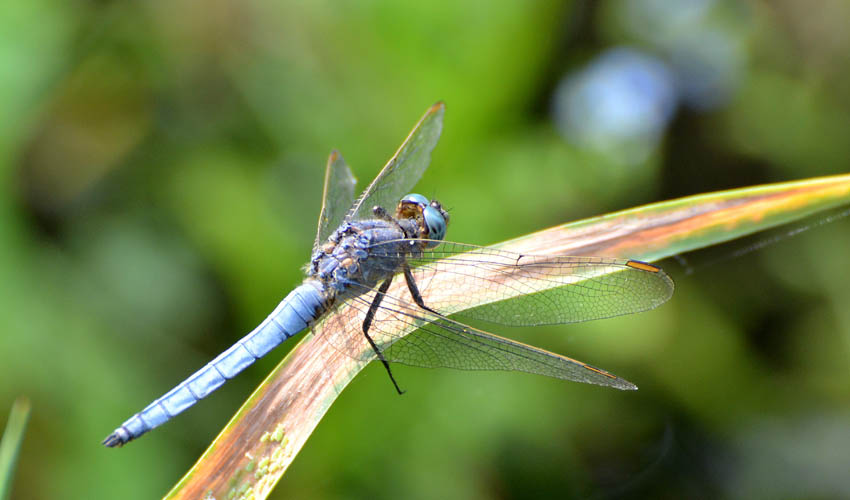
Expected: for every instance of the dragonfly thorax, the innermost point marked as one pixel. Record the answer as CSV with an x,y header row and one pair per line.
x,y
348,258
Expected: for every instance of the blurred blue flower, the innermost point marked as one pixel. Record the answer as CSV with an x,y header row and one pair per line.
x,y
619,105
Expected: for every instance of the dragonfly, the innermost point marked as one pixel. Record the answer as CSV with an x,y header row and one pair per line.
x,y
361,248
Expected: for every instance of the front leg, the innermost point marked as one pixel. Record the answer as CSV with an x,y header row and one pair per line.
x,y
381,213
414,290
367,323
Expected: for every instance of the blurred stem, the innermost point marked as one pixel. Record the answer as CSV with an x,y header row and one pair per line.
x,y
13,436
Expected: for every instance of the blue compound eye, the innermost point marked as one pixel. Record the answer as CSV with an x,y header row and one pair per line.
x,y
415,198
435,222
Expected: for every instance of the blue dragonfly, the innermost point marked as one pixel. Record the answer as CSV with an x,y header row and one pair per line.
x,y
361,247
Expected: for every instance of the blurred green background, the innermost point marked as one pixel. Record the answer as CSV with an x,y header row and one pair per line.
x,y
162,165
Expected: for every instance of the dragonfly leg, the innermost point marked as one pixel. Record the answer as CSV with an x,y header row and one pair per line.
x,y
381,213
367,322
414,290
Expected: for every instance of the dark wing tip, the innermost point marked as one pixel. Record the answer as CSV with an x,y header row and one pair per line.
x,y
643,266
437,106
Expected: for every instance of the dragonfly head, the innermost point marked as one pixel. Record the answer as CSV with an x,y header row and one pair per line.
x,y
430,216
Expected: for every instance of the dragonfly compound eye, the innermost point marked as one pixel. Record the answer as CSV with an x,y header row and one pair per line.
x,y
436,205
435,222
415,198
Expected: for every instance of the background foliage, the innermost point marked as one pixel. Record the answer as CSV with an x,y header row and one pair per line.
x,y
161,172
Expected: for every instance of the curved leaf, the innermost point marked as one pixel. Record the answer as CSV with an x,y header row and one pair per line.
x,y
258,444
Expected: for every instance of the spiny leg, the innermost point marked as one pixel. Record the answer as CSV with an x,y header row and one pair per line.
x,y
381,213
414,290
367,322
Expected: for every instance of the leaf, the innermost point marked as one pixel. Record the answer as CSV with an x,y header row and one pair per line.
x,y
10,445
258,444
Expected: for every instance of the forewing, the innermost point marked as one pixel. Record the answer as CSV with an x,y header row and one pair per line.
x,y
519,289
337,197
404,169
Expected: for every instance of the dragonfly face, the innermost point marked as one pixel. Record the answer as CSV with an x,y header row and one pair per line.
x,y
430,215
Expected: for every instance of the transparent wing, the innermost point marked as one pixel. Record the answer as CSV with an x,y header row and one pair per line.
x,y
520,289
410,335
404,169
500,287
337,197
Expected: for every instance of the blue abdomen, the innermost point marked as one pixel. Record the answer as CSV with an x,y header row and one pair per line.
x,y
294,313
